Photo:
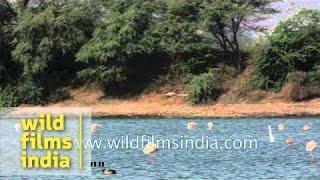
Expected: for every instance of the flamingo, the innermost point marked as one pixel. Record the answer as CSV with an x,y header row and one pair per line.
x,y
18,127
150,148
95,127
271,136
306,127
192,125
281,127
289,140
210,125
311,146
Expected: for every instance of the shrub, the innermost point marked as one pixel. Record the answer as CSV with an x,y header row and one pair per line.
x,y
244,88
58,95
30,93
296,92
293,46
300,87
7,97
314,77
202,89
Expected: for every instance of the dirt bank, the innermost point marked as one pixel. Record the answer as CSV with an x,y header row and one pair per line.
x,y
162,106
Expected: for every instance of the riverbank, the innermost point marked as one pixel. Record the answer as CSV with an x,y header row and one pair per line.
x,y
158,105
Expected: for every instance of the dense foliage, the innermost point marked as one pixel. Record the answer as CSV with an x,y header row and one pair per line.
x,y
47,46
293,47
48,40
207,87
227,21
7,97
203,89
122,33
6,15
44,44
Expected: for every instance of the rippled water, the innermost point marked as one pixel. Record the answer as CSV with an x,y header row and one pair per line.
x,y
269,161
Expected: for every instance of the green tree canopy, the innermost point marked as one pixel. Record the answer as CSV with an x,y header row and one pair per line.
x,y
52,35
122,33
180,27
228,20
6,17
293,46
45,41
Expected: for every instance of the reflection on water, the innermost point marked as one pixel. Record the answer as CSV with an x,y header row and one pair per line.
x,y
270,160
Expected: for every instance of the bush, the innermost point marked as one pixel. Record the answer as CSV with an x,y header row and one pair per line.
x,y
314,77
293,46
7,97
296,92
245,88
58,95
202,89
300,87
30,93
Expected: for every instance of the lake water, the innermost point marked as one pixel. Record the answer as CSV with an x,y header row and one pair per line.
x,y
265,161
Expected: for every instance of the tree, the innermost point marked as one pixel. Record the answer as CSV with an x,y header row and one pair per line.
x,y
179,28
6,12
6,17
293,48
228,20
45,43
49,36
122,33
181,37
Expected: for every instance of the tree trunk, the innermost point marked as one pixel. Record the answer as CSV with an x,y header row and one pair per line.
x,y
238,59
237,52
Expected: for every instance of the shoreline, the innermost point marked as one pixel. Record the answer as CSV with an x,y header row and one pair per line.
x,y
201,117
157,105
218,111
237,115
